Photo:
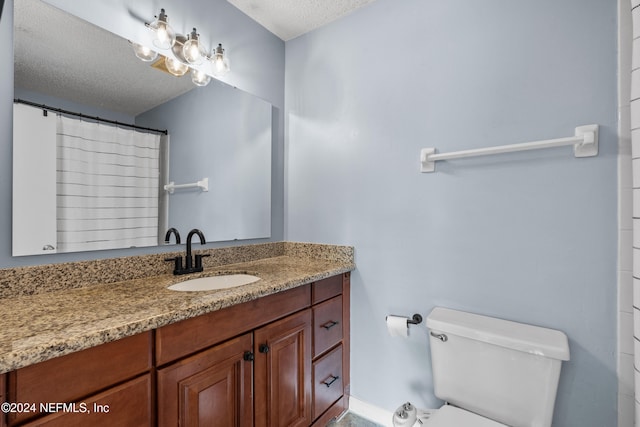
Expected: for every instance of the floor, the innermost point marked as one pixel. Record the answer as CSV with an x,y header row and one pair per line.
x,y
352,420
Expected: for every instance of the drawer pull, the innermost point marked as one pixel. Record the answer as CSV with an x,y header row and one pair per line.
x,y
332,379
330,324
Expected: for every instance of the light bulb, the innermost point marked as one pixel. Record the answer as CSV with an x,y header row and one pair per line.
x,y
144,53
193,50
175,67
199,78
220,62
165,36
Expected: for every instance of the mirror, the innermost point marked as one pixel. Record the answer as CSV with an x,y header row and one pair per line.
x,y
215,132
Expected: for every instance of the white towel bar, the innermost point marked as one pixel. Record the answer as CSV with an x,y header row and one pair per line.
x,y
585,144
203,185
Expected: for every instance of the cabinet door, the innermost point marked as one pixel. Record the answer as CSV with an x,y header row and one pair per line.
x,y
283,372
211,388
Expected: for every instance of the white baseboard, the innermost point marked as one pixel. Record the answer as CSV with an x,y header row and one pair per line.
x,y
370,412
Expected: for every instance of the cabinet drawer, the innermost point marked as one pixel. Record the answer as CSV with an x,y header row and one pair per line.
x,y
77,375
327,325
128,404
326,288
327,381
191,335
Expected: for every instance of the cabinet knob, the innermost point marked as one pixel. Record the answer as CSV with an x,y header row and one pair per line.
x,y
248,356
263,348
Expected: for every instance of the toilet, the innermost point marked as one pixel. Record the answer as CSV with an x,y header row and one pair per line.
x,y
490,372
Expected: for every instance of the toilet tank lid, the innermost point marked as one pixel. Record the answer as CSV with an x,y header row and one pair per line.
x,y
505,333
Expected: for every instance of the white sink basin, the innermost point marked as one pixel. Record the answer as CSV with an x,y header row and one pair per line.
x,y
214,282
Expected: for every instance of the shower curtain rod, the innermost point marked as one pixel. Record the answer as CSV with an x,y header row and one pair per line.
x,y
84,116
584,141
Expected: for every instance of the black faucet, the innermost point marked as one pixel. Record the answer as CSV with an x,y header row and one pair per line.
x,y
189,264
188,258
171,231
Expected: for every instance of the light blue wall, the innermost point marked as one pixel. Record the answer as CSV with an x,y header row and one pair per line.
x,y
257,62
225,135
528,236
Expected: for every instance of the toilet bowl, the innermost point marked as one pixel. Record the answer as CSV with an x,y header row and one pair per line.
x,y
491,372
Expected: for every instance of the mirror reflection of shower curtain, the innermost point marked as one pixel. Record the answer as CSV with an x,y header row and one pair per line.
x,y
107,186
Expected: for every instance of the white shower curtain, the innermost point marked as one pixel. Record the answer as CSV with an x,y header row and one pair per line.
x,y
635,155
107,186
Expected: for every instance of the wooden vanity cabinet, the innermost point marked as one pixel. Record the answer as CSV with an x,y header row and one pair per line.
x,y
261,377
278,361
111,381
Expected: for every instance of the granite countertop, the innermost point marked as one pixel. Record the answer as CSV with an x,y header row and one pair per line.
x,y
46,325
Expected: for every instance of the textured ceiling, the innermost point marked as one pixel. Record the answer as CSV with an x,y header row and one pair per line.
x,y
63,56
91,66
290,18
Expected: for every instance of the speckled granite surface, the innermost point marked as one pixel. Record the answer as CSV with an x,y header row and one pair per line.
x,y
73,306
45,278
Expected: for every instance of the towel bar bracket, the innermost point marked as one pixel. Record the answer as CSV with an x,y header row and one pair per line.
x,y
203,185
589,146
584,141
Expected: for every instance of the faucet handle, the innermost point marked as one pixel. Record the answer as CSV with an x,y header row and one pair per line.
x,y
199,260
178,264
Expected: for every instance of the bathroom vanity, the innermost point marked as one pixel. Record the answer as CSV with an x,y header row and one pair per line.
x,y
274,352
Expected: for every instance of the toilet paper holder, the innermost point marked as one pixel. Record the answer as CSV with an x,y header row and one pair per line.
x,y
416,319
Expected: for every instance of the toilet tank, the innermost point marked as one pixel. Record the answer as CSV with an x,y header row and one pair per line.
x,y
503,370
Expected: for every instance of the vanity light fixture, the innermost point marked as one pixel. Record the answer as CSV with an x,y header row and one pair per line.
x,y
187,52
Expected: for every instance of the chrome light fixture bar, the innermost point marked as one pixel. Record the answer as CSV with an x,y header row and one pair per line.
x,y
188,52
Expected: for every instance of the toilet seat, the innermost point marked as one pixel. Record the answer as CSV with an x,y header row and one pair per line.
x,y
451,416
